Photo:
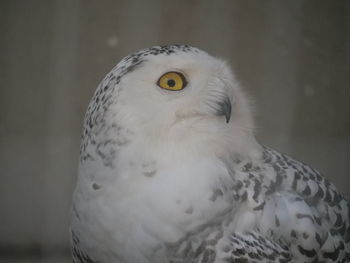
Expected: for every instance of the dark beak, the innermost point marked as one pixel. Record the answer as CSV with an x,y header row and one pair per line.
x,y
224,108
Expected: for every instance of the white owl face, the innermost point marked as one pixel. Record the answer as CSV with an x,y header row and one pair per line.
x,y
176,93
168,89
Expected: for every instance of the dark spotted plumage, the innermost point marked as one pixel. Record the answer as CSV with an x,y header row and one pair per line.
x,y
283,239
328,212
78,255
252,247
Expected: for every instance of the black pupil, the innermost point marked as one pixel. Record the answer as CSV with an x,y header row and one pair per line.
x,y
171,82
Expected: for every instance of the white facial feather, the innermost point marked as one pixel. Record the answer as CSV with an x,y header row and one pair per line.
x,y
188,116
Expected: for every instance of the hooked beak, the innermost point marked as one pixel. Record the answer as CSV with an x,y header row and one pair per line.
x,y
224,108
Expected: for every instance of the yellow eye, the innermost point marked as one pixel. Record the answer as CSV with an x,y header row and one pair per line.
x,y
172,81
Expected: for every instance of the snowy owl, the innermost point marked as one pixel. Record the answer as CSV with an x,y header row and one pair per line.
x,y
170,172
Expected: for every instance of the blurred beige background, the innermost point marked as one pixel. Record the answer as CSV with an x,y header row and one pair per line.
x,y
292,56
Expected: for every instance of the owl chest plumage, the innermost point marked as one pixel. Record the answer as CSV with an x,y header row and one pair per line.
x,y
144,205
191,210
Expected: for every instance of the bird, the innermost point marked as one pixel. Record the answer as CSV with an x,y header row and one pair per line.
x,y
170,171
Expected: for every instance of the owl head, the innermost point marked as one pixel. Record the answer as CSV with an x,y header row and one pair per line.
x,y
176,94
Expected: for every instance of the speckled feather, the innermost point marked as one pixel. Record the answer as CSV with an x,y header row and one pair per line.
x,y
252,204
